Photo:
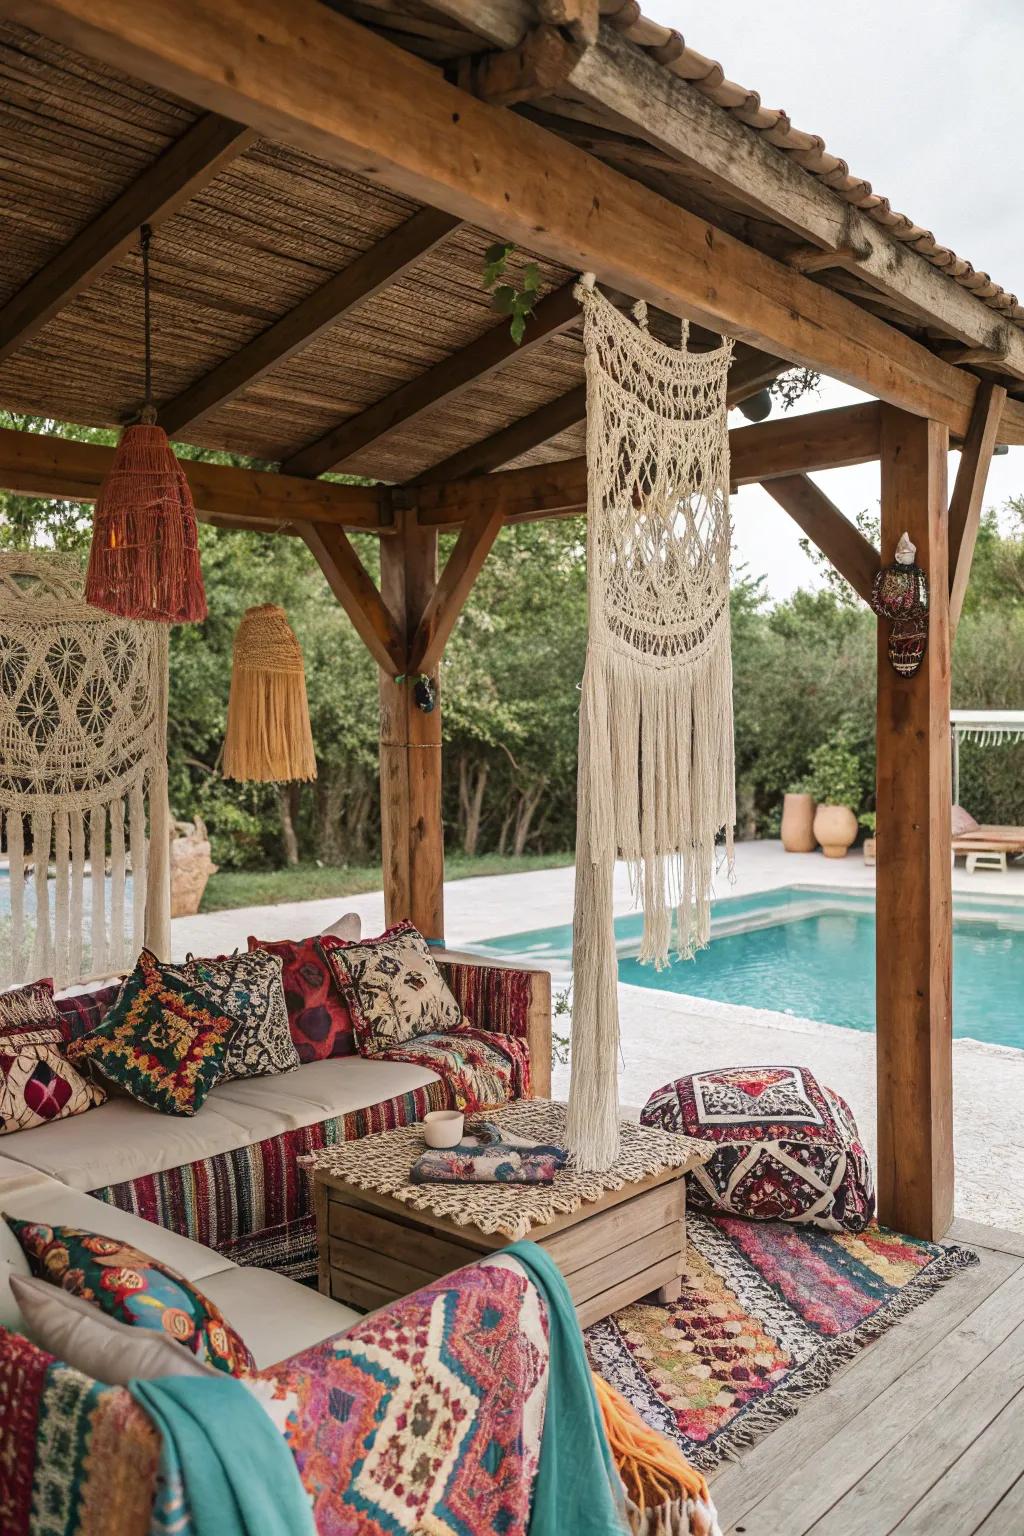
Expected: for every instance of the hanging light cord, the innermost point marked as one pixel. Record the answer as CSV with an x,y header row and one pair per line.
x,y
148,413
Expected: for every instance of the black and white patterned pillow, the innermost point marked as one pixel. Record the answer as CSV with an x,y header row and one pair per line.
x,y
249,988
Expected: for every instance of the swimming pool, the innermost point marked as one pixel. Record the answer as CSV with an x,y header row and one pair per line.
x,y
811,953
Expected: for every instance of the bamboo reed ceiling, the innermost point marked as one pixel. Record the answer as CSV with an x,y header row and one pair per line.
x,y
267,229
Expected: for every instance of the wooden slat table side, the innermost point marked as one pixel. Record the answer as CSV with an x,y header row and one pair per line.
x,y
374,1248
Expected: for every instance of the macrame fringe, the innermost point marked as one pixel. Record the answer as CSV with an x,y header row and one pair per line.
x,y
665,1495
656,763
269,739
144,557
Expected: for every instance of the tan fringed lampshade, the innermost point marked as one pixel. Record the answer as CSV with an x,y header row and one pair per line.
x,y
268,739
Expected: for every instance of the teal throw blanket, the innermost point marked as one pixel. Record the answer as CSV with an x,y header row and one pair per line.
x,y
225,1468
577,1491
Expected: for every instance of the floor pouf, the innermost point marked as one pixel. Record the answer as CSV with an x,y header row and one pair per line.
x,y
786,1148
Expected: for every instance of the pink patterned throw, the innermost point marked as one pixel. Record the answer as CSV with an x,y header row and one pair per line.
x,y
488,1156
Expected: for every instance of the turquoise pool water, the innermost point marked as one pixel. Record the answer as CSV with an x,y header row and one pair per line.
x,y
811,953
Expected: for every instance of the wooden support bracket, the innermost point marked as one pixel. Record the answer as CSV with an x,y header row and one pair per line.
x,y
968,493
465,562
853,556
353,586
809,259
537,66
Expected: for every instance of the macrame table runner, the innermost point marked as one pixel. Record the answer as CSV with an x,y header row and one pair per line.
x,y
382,1163
656,767
83,742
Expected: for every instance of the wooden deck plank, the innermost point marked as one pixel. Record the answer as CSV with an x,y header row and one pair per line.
x,y
739,1487
869,1438
1008,1514
974,1487
903,1477
974,1234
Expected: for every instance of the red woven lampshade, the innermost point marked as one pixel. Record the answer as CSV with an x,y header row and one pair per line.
x,y
144,559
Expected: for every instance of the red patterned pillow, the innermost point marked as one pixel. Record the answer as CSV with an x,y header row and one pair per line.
x,y
85,1011
29,1007
785,1147
318,1017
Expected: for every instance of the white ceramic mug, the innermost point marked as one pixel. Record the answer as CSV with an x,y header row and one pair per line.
x,y
443,1127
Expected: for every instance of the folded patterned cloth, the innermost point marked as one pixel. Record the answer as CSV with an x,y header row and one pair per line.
x,y
488,1156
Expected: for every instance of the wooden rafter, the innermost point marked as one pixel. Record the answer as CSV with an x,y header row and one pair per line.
x,y
444,381
968,493
822,440
535,67
377,111
32,464
354,588
189,163
853,556
364,277
531,431
463,566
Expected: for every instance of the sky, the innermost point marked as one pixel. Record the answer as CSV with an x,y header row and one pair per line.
x,y
911,93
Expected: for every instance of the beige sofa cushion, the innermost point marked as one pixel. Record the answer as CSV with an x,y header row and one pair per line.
x,y
320,1089
276,1317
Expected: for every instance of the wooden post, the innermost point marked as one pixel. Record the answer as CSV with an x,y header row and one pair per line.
x,y
412,836
914,886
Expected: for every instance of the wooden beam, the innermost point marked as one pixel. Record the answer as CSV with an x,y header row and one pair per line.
x,y
464,564
914,1028
353,586
377,111
790,445
445,381
968,493
412,832
359,281
161,190
32,464
508,444
853,556
537,66
648,100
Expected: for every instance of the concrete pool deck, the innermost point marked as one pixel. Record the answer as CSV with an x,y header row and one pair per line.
x,y
666,1034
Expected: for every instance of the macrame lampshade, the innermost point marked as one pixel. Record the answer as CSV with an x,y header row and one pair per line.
x,y
144,558
268,737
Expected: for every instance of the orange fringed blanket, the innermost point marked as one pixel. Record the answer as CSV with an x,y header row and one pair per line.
x,y
665,1496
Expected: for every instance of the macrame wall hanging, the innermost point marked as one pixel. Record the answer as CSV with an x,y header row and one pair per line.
x,y
83,742
656,772
268,738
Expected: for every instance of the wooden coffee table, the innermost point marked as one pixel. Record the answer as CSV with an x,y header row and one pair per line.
x,y
615,1247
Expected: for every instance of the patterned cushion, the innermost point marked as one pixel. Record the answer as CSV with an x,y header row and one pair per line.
x,y
37,1085
787,1148
479,1069
80,1014
393,989
162,1041
318,1016
30,1007
248,987
130,1286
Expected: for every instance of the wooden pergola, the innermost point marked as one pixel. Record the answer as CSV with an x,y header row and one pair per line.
x,y
324,180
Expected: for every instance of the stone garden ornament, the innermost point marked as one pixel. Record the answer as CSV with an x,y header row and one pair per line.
x,y
83,777
656,767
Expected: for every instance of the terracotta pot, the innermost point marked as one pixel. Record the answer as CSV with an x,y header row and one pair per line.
x,y
835,827
798,824
869,850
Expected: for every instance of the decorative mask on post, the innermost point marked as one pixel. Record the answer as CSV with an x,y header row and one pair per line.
x,y
900,594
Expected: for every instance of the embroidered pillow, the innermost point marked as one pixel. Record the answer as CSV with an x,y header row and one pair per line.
x,y
30,1007
393,989
163,1041
318,1016
131,1287
37,1085
80,1014
248,987
785,1148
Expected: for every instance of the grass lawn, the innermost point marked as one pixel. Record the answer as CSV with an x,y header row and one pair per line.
x,y
311,882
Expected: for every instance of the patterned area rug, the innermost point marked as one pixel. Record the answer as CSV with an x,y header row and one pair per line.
x,y
768,1314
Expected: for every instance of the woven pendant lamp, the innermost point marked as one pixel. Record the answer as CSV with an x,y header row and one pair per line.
x,y
144,557
268,737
